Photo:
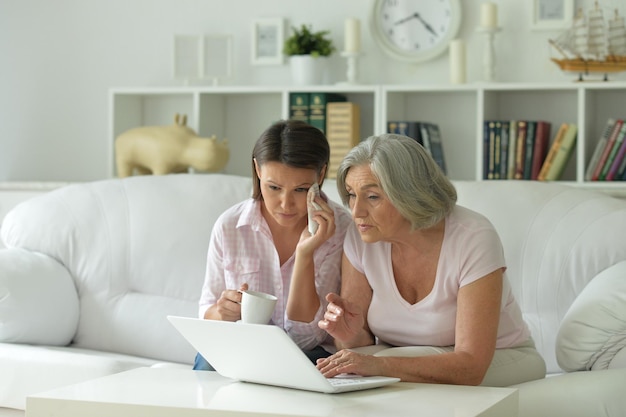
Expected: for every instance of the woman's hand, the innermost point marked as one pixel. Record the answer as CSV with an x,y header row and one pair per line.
x,y
228,306
343,320
349,362
325,218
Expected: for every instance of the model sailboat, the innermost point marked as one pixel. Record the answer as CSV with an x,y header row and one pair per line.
x,y
592,45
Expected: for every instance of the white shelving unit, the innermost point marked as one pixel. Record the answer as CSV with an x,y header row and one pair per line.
x,y
242,113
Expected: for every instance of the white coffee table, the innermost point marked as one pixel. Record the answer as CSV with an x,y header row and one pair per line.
x,y
161,392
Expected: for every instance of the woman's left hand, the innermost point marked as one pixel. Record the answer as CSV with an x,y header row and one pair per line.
x,y
325,218
349,362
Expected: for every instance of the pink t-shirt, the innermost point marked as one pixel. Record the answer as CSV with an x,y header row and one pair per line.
x,y
471,249
242,250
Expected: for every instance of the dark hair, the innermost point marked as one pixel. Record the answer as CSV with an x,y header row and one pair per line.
x,y
293,143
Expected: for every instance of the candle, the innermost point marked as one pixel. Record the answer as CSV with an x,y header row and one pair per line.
x,y
352,35
457,61
489,15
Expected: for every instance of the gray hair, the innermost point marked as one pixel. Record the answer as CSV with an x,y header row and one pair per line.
x,y
407,174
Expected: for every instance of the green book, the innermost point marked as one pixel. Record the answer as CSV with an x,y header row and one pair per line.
x,y
299,106
317,108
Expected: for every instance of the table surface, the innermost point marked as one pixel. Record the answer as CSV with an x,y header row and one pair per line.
x,y
185,393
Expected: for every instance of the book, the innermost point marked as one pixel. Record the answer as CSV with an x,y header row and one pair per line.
x,y
512,149
554,148
342,131
619,157
563,153
410,129
595,176
487,153
520,151
530,148
540,150
299,106
604,138
619,138
425,135
504,148
317,108
497,149
436,145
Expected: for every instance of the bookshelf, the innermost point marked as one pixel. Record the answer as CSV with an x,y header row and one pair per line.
x,y
241,113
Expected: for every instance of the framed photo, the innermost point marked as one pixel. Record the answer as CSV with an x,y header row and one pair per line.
x,y
217,57
267,41
201,57
187,57
552,14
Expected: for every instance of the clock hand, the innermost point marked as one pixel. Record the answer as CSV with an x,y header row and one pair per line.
x,y
422,21
426,25
406,19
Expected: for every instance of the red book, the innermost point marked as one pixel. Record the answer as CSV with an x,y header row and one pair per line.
x,y
619,157
542,140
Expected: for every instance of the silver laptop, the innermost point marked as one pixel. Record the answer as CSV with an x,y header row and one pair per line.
x,y
263,354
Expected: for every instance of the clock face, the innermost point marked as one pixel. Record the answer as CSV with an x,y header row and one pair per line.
x,y
415,30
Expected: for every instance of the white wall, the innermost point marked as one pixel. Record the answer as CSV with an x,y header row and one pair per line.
x,y
60,57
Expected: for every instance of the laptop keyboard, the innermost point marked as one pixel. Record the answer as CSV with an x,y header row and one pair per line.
x,y
343,381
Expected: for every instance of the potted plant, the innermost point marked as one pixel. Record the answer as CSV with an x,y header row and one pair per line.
x,y
308,51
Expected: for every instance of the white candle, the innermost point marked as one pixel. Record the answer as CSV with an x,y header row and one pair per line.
x,y
489,15
352,34
457,61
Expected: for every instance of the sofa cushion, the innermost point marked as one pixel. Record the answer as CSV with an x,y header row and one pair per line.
x,y
38,300
136,249
593,330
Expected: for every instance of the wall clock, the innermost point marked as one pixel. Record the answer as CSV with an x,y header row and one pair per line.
x,y
415,30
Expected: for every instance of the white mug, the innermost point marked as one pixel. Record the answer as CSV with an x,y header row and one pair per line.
x,y
257,307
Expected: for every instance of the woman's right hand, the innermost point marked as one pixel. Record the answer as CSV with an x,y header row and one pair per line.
x,y
342,319
228,306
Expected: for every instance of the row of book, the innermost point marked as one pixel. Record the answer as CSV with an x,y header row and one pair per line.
x,y
608,161
312,107
426,133
521,149
338,118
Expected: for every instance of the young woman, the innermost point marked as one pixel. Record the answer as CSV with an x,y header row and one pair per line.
x,y
264,244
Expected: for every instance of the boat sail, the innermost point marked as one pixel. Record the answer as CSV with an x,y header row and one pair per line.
x,y
592,44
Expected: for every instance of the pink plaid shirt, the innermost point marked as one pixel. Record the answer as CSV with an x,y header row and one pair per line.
x,y
241,250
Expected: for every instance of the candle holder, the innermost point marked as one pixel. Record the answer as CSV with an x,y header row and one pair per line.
x,y
489,53
352,68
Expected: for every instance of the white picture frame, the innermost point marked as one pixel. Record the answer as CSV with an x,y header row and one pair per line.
x,y
268,37
552,14
217,57
202,57
187,57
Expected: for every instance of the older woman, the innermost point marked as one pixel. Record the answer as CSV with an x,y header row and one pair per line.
x,y
424,294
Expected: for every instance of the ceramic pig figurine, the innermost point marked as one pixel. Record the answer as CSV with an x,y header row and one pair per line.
x,y
168,149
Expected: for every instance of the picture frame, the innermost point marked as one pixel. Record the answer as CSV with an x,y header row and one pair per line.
x,y
268,37
187,57
552,14
202,57
217,57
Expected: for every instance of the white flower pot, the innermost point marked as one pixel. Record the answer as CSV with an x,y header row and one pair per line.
x,y
308,70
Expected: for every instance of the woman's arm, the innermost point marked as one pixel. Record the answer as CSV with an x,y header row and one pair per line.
x,y
346,315
476,333
303,301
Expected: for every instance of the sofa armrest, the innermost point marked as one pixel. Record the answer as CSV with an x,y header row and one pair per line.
x,y
593,331
38,299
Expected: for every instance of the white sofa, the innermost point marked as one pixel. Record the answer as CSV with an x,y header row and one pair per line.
x,y
91,271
